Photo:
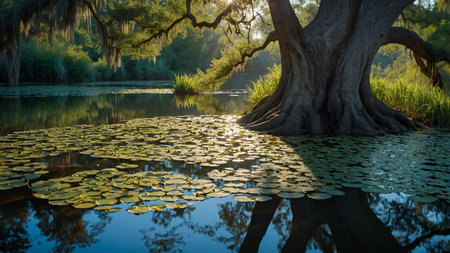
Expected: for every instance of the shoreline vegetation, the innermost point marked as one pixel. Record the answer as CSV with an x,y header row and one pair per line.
x,y
412,95
185,85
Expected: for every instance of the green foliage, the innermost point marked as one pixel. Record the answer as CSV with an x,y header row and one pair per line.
x,y
185,85
78,64
265,86
81,61
221,68
421,102
89,42
191,51
403,87
400,86
54,63
103,71
431,21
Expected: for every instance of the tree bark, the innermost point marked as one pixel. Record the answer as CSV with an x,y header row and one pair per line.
x,y
325,81
13,64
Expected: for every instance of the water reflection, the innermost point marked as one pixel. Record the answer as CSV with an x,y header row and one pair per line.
x,y
25,113
349,224
64,226
13,219
355,222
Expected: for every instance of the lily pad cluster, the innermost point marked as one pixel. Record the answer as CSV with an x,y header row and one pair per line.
x,y
249,165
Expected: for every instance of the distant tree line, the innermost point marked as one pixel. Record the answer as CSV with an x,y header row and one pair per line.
x,y
58,61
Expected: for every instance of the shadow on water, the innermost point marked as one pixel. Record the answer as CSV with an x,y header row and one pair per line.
x,y
357,221
343,224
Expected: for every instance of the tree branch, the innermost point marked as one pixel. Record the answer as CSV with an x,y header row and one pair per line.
x,y
272,37
194,22
418,240
421,49
411,40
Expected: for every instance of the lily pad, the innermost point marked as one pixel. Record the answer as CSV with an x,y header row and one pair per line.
x,y
170,198
106,201
424,198
290,195
84,205
243,198
319,196
220,194
139,209
130,199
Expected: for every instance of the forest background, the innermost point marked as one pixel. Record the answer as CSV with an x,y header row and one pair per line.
x,y
80,59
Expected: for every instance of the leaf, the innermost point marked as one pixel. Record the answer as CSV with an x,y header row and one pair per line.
x,y
84,205
243,198
139,209
319,196
219,194
130,199
290,195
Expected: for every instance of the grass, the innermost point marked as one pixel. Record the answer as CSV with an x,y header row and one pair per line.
x,y
415,97
265,86
184,85
418,100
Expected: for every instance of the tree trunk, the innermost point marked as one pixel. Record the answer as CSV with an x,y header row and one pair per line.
x,y
13,64
325,80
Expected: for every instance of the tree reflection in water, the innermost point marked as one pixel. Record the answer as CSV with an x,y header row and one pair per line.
x,y
172,238
348,224
355,222
64,225
13,220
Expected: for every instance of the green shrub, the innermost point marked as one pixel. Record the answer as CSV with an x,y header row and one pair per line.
x,y
41,63
400,86
102,70
265,86
184,85
419,101
78,64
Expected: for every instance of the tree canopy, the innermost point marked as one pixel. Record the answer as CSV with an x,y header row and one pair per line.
x,y
327,48
142,29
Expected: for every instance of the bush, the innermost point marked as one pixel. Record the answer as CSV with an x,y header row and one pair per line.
x,y
184,85
400,86
265,86
102,70
78,64
419,101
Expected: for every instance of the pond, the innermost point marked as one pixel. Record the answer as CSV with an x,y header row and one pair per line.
x,y
108,168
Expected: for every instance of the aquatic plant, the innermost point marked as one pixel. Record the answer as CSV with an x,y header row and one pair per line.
x,y
184,85
249,165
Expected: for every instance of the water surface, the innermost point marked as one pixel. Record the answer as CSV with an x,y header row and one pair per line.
x,y
389,194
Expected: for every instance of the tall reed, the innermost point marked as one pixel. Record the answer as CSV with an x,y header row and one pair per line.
x,y
415,97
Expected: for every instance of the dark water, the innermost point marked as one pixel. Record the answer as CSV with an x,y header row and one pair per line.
x,y
37,107
355,222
